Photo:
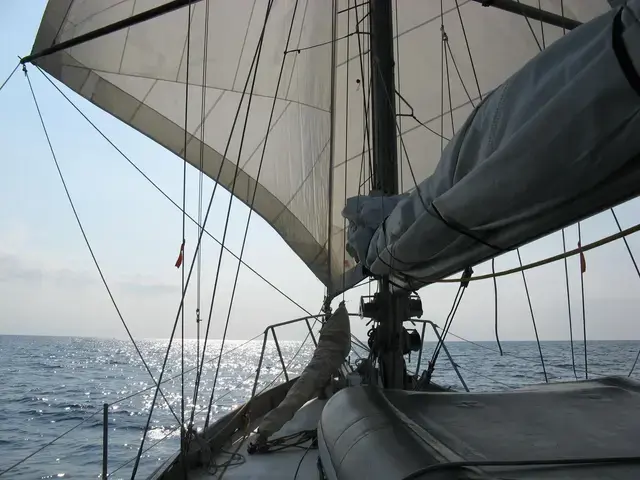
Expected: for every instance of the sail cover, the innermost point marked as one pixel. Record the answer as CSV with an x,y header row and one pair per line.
x,y
317,153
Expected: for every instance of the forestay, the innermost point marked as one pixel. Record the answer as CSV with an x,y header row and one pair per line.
x,y
138,75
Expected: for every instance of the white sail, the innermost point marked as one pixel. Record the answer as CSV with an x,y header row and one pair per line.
x,y
138,74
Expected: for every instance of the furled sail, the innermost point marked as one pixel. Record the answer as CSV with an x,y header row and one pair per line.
x,y
448,55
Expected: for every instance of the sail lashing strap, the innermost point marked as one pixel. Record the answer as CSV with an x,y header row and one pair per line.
x,y
622,54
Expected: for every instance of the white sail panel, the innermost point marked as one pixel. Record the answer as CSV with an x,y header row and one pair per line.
x,y
139,73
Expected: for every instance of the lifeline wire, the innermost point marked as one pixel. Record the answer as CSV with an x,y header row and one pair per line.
x,y
554,258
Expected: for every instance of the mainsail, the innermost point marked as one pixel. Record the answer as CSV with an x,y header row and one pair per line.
x,y
449,54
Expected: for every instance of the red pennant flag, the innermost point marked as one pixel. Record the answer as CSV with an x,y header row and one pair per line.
x,y
583,261
180,256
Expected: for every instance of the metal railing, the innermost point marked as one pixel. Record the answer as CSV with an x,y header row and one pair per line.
x,y
270,330
444,347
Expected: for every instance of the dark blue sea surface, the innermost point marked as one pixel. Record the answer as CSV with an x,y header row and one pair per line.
x,y
48,385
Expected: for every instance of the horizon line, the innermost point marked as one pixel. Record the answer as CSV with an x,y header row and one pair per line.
x,y
176,340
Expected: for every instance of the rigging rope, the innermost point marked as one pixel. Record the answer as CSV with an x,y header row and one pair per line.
x,y
441,79
248,403
531,360
206,217
495,303
544,45
9,77
626,243
86,240
535,37
466,41
583,268
365,100
122,400
346,155
464,86
633,367
566,276
171,432
184,226
176,428
555,258
20,462
253,70
197,413
311,446
290,361
139,392
293,440
165,195
329,42
398,105
635,265
197,223
533,318
445,43
203,103
447,324
253,197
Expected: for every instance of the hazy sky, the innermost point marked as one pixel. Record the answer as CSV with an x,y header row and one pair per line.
x,y
49,285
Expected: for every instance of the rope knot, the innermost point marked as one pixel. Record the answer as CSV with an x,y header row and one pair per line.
x,y
466,276
445,37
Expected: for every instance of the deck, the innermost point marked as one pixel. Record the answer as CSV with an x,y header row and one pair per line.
x,y
275,465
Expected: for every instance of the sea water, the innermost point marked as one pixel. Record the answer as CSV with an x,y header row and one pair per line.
x,y
49,385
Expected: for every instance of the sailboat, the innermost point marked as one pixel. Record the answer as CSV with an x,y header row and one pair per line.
x,y
404,141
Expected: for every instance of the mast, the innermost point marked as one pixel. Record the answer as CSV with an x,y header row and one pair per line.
x,y
391,306
383,107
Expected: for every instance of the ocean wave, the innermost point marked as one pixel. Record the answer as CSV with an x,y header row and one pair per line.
x,y
47,366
